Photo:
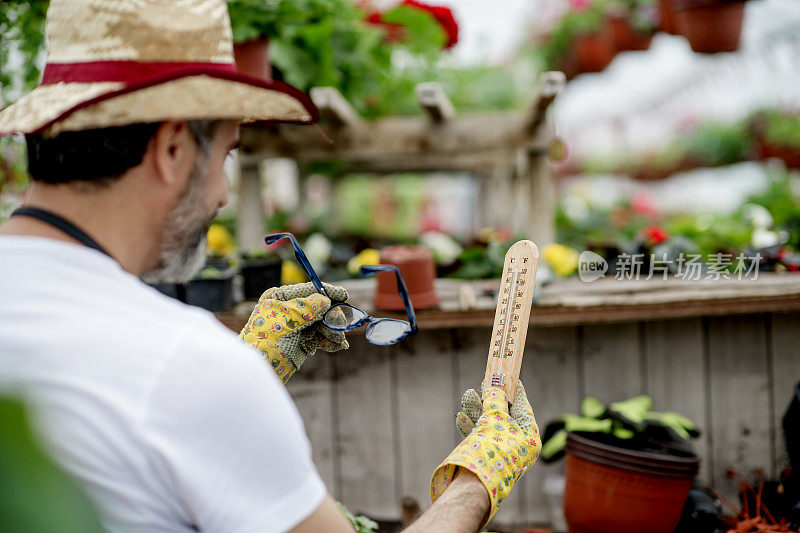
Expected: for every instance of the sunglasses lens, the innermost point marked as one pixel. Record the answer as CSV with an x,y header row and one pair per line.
x,y
343,316
387,330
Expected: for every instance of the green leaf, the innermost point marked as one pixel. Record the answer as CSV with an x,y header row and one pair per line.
x,y
423,33
35,495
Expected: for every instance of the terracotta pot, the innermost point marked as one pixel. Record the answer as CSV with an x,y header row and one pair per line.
x,y
418,270
790,156
711,26
668,23
595,51
615,490
626,38
252,58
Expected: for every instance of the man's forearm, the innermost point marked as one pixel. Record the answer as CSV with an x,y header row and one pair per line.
x,y
461,509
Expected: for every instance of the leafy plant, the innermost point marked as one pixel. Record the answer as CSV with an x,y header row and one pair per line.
x,y
575,23
782,128
21,29
329,43
361,523
35,494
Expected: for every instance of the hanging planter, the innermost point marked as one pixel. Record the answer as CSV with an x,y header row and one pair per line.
x,y
710,26
778,136
252,58
668,22
595,51
626,37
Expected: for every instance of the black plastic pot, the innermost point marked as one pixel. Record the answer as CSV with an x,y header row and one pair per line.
x,y
259,275
214,294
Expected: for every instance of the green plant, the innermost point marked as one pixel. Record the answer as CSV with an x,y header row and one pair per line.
x,y
782,128
575,23
360,523
642,15
329,43
719,143
21,30
36,495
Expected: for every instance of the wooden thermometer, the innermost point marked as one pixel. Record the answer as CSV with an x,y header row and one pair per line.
x,y
512,317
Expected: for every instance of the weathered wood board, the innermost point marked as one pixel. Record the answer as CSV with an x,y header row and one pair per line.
x,y
365,429
740,409
677,375
425,382
785,376
612,365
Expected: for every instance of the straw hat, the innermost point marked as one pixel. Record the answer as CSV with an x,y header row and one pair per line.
x,y
112,63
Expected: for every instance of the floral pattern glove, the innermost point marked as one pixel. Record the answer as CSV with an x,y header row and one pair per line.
x,y
286,325
498,450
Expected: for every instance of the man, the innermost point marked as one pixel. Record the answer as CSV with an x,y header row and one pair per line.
x,y
168,420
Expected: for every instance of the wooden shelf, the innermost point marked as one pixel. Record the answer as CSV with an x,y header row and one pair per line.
x,y
572,302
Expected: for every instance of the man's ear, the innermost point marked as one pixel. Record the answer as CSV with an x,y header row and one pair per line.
x,y
174,153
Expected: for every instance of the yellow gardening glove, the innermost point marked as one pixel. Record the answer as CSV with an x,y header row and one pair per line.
x,y
286,325
498,450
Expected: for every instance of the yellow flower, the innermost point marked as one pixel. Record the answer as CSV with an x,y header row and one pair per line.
x,y
562,259
369,256
291,273
220,242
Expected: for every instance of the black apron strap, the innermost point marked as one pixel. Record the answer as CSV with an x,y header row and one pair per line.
x,y
60,223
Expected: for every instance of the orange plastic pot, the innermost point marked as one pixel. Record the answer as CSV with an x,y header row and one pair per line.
x,y
614,490
252,58
790,156
710,26
419,273
626,38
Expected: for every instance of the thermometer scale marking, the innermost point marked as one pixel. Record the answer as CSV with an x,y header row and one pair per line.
x,y
512,317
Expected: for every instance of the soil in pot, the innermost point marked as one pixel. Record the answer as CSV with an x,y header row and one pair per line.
x,y
626,37
710,26
252,58
617,490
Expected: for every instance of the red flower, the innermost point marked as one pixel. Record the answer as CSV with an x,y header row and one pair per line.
x,y
442,14
654,235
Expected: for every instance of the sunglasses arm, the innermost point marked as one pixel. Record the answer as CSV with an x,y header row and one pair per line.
x,y
301,258
370,270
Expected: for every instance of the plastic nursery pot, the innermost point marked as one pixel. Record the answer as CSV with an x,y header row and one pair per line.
x,y
668,22
416,266
252,58
595,51
710,26
259,275
616,490
790,156
627,38
213,293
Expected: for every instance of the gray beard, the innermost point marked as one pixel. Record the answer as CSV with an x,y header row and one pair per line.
x,y
182,252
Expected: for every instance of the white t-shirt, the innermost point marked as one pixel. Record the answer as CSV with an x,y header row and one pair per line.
x,y
168,420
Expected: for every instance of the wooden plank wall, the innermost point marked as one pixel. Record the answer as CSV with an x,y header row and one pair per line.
x,y
380,419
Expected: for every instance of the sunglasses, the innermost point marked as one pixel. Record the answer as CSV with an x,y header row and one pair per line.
x,y
345,317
